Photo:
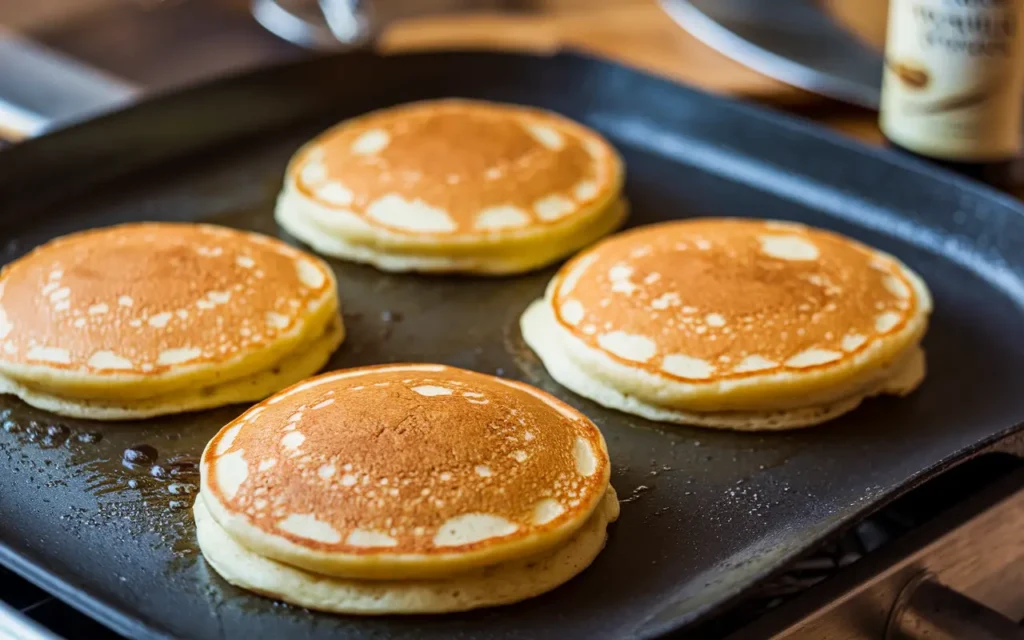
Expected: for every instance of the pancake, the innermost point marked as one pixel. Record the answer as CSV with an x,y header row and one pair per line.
x,y
453,186
430,476
147,319
730,323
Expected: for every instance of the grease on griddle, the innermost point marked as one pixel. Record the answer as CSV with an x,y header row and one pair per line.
x,y
139,455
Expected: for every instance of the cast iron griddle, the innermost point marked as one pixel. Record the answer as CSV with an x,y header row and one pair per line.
x,y
705,514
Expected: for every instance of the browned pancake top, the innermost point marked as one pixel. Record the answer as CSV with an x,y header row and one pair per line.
x,y
720,298
144,298
401,459
457,167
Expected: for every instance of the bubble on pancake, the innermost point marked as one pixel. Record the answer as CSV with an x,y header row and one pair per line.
x,y
753,363
368,538
125,301
245,262
160,320
553,207
49,354
371,142
179,355
430,390
583,455
335,193
896,286
547,136
232,470
547,510
472,527
308,526
98,309
628,346
573,311
665,300
789,247
686,366
483,471
108,360
813,357
853,341
886,322
501,217
585,190
620,275
409,215
714,320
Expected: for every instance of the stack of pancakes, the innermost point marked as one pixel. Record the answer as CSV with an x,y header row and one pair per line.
x,y
453,186
404,489
147,319
732,323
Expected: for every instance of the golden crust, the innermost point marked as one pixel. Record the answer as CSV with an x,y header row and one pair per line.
x,y
404,471
131,305
455,170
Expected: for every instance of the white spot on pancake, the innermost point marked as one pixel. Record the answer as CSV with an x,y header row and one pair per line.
x,y
493,173
628,346
125,301
583,454
60,294
108,360
348,480
415,215
313,173
547,510
309,275
686,366
367,538
754,363
227,440
267,464
572,311
472,527
219,297
49,354
444,476
308,526
483,470
789,248
210,252
293,440
231,472
528,436
620,272
160,320
321,405
519,455
813,357
503,217
665,300
371,142
884,322
335,193
585,190
5,323
49,288
714,320
78,323
98,309
853,341
553,207
573,277
276,320
546,136
245,262
326,471
203,303
63,305
178,356
432,390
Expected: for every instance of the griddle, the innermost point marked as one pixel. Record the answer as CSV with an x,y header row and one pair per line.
x,y
705,514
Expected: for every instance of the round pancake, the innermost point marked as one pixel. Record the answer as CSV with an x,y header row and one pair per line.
x,y
443,185
504,583
734,323
403,472
137,311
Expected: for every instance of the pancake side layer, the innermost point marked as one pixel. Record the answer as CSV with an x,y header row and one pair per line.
x,y
504,583
898,377
304,362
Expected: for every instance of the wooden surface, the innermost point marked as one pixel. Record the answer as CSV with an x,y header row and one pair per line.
x,y
164,43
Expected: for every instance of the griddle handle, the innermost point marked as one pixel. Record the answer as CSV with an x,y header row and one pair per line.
x,y
929,609
41,89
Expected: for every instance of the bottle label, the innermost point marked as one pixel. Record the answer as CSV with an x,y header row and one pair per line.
x,y
954,75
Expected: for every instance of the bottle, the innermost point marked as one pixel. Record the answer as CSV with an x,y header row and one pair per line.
x,y
953,85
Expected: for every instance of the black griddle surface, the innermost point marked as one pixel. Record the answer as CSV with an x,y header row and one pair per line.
x,y
706,514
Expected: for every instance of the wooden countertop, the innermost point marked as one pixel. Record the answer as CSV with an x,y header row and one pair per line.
x,y
166,42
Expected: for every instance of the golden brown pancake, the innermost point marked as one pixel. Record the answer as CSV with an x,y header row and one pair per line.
x,y
139,311
453,185
404,472
711,316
